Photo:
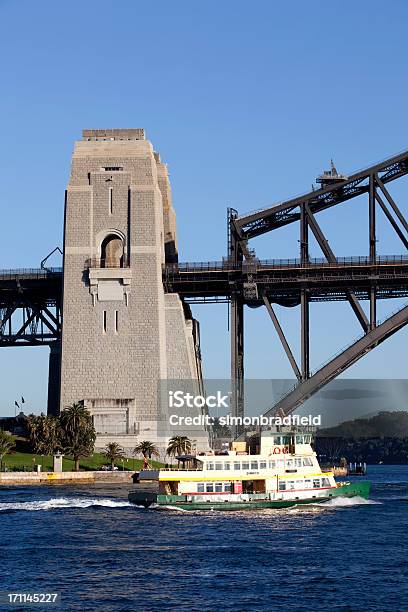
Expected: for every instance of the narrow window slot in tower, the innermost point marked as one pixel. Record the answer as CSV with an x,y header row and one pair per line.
x,y
104,321
116,321
110,201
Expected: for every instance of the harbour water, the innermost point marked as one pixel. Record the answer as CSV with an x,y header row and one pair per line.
x,y
102,554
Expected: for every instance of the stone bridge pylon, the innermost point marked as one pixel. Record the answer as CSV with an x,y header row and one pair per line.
x,y
121,332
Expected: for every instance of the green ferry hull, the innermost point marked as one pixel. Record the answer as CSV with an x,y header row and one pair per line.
x,y
357,489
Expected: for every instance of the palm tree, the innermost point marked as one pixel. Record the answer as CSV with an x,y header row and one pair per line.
x,y
77,432
147,449
43,432
7,443
33,430
178,445
112,452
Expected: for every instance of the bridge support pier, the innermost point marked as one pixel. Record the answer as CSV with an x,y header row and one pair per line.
x,y
54,377
237,361
304,295
305,350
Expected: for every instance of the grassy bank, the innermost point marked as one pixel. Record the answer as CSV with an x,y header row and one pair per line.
x,y
24,460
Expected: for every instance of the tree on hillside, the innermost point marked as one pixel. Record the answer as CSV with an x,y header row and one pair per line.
x,y
44,434
77,432
112,452
178,445
148,450
7,444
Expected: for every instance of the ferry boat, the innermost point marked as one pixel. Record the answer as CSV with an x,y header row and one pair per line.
x,y
282,472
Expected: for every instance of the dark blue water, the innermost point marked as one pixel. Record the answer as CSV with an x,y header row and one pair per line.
x,y
101,554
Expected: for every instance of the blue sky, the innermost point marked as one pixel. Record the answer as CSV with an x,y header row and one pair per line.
x,y
246,102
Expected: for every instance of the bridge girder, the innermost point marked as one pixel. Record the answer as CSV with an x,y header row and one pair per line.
x,y
30,308
371,181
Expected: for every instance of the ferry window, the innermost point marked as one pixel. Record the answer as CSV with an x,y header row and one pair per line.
x,y
218,487
209,487
279,463
316,483
262,465
227,487
290,485
200,487
286,440
299,439
254,465
298,462
237,465
210,465
282,485
325,482
227,466
272,464
307,461
218,465
308,484
299,484
289,463
245,465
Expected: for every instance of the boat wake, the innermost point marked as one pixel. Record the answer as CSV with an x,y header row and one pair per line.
x,y
340,502
160,507
59,503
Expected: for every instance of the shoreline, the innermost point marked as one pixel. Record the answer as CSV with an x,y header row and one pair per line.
x,y
61,478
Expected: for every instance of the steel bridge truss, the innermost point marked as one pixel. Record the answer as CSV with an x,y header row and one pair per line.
x,y
304,209
30,308
28,325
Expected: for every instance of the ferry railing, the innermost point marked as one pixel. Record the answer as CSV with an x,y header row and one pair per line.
x,y
181,469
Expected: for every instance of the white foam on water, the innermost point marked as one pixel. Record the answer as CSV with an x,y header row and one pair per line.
x,y
160,507
64,502
340,502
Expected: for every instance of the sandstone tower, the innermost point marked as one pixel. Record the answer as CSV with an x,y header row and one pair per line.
x,y
121,333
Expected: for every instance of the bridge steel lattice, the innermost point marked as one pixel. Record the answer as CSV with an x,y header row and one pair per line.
x,y
335,190
30,307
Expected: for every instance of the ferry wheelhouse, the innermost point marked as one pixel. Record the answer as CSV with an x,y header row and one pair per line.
x,y
283,471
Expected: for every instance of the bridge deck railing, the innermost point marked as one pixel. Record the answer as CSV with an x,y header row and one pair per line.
x,y
286,263
29,272
224,265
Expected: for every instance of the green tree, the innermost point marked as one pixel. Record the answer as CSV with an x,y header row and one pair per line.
x,y
77,432
112,452
33,430
147,449
44,434
7,444
178,445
